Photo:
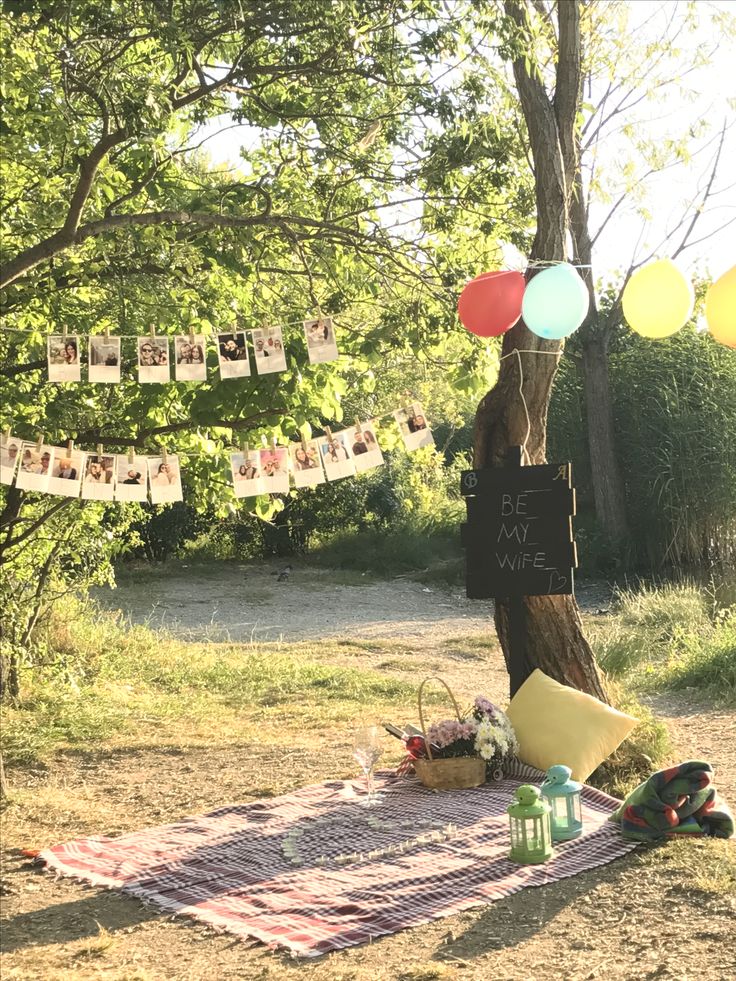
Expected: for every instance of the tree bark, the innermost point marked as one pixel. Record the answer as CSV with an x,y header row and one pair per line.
x,y
609,493
554,636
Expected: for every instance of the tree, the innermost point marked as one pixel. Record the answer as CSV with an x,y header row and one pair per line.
x,y
623,81
514,412
115,218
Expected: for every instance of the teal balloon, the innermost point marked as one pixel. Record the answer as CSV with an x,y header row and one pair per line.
x,y
555,302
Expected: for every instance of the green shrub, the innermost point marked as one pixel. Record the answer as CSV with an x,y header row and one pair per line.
x,y
646,749
704,662
674,408
670,637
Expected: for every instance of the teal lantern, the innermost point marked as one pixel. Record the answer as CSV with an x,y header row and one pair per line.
x,y
563,795
531,833
555,302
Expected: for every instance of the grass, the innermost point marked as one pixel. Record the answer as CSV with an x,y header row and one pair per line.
x,y
670,637
129,684
126,682
644,751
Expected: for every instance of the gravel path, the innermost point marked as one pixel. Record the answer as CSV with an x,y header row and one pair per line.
x,y
232,601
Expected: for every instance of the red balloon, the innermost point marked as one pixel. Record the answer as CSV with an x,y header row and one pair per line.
x,y
490,304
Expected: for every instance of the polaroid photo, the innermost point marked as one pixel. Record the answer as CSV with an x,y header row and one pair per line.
x,y
191,358
321,343
153,359
364,447
104,359
413,425
63,358
336,458
9,456
232,352
99,477
67,472
275,470
246,471
165,477
36,464
306,464
268,344
131,483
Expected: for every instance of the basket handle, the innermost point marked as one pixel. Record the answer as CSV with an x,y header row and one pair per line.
x,y
421,711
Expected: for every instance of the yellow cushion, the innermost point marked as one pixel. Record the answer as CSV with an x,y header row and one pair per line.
x,y
557,724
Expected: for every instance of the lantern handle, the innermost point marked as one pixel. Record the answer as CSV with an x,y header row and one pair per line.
x,y
421,709
557,775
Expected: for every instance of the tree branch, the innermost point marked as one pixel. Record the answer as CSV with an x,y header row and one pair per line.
x,y
569,81
61,241
145,435
699,210
10,543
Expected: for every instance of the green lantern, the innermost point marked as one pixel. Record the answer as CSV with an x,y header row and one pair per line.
x,y
563,795
531,833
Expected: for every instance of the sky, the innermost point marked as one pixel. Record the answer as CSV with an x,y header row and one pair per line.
x,y
628,237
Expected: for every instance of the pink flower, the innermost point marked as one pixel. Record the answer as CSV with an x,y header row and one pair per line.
x,y
484,706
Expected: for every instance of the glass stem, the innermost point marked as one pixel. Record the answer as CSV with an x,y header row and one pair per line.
x,y
369,782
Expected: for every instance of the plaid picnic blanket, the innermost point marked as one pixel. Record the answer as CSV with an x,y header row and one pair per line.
x,y
313,871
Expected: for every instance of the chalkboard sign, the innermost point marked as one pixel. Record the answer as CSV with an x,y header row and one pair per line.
x,y
518,537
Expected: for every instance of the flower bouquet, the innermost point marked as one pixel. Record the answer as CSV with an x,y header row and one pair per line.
x,y
461,752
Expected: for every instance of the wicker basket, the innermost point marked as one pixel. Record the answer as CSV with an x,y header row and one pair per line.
x,y
455,773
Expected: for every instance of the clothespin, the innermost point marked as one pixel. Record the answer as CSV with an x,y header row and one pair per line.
x,y
39,442
70,446
191,336
357,425
329,433
304,443
164,455
63,333
8,431
274,443
131,456
99,449
244,448
107,333
153,333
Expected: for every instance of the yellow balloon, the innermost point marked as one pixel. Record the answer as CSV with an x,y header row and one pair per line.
x,y
658,300
720,308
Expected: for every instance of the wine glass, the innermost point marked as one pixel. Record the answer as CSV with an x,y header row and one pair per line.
x,y
367,751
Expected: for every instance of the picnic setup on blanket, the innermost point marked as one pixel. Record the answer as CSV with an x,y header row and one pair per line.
x,y
345,862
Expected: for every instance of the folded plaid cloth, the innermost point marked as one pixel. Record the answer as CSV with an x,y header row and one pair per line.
x,y
678,801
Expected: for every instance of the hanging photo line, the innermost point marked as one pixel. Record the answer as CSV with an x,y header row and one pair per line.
x,y
102,475
189,353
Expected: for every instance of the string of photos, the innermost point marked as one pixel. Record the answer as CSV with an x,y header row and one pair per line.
x,y
189,355
100,475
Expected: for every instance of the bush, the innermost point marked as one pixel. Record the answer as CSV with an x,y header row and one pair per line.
x,y
670,636
674,407
647,748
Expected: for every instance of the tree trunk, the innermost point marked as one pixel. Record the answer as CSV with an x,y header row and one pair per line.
x,y
609,494
555,641
608,487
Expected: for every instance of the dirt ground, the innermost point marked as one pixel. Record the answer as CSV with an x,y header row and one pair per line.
x,y
249,603
660,913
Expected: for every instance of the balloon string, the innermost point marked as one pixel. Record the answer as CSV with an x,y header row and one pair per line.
x,y
518,352
524,453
